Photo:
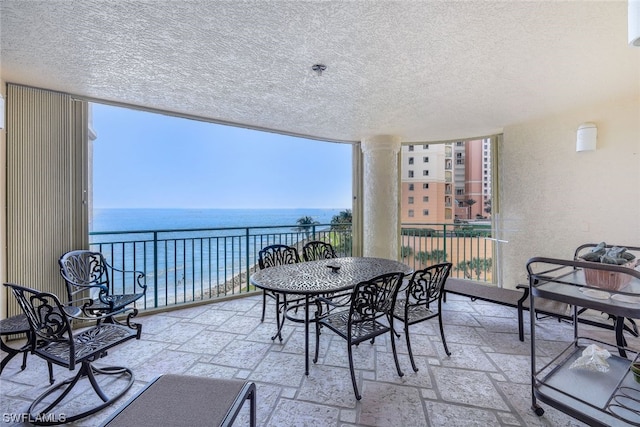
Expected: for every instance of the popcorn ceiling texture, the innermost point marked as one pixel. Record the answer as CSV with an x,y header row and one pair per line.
x,y
424,71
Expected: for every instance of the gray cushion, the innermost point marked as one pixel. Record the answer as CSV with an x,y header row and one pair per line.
x,y
180,400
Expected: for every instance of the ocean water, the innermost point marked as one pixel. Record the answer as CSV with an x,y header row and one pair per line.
x,y
105,220
186,265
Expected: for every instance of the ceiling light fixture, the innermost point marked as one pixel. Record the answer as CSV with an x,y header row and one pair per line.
x,y
318,68
634,23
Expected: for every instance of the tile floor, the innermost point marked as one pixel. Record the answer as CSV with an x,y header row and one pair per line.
x,y
485,381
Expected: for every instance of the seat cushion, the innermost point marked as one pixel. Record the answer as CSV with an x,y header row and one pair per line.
x,y
181,400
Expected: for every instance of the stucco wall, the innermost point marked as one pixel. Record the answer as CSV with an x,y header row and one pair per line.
x,y
554,198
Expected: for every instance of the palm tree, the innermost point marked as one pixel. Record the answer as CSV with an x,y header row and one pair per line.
x,y
304,225
341,230
469,202
476,265
436,255
487,206
342,221
406,251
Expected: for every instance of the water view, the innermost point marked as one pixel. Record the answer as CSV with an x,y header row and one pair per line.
x,y
192,254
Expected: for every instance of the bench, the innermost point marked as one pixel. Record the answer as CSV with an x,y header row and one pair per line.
x,y
519,298
503,296
182,400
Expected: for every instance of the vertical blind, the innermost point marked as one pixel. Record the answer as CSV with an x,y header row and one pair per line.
x,y
46,186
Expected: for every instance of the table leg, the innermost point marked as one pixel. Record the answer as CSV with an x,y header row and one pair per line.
x,y
306,334
279,321
619,329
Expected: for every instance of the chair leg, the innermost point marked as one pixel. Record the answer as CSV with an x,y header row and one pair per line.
x,y
47,417
11,352
353,373
24,361
279,322
392,329
406,334
395,352
444,341
315,357
50,367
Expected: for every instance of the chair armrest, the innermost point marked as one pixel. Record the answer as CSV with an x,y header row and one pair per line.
x,y
327,304
338,299
80,313
137,275
83,285
74,288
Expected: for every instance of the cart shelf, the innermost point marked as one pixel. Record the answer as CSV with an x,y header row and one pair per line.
x,y
609,398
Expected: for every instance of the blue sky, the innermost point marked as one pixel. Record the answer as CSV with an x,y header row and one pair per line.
x,y
148,160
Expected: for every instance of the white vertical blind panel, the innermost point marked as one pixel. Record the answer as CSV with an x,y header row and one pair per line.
x,y
46,176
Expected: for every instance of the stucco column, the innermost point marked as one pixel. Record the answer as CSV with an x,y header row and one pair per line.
x,y
380,196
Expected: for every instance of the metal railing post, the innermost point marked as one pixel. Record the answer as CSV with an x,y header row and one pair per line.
x,y
246,254
444,245
155,269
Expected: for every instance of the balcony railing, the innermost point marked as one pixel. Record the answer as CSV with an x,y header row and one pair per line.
x,y
191,265
183,266
468,246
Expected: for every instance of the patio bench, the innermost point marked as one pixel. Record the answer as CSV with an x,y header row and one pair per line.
x,y
519,298
182,400
490,293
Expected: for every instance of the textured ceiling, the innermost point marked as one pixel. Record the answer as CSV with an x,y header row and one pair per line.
x,y
426,70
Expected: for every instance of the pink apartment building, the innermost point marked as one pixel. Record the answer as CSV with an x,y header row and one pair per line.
x,y
438,180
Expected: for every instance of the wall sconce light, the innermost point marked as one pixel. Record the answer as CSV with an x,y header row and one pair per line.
x,y
634,23
587,136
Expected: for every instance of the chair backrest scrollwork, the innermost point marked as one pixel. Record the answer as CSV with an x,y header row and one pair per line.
x,y
374,298
316,250
427,285
82,269
45,313
277,254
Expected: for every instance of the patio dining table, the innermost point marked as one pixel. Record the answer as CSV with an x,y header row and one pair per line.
x,y
313,278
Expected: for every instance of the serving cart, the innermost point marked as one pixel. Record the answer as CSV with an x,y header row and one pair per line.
x,y
609,398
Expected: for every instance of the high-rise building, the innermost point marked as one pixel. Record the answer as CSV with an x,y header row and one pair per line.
x,y
426,184
444,182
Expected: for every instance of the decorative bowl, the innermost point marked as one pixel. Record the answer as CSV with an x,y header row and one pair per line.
x,y
334,268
